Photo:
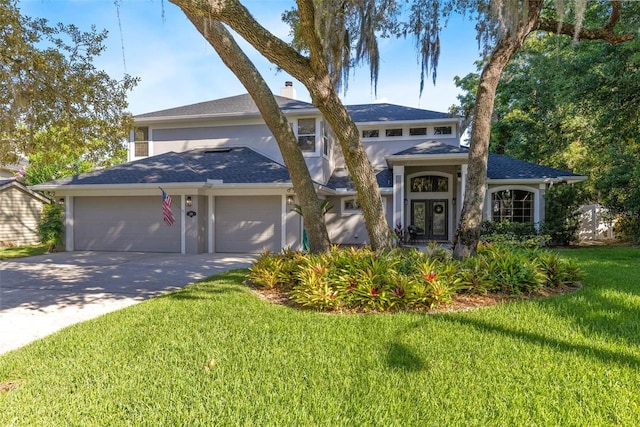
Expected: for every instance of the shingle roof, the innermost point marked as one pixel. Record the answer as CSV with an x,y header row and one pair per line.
x,y
241,104
244,104
503,167
231,165
4,182
432,147
389,112
341,179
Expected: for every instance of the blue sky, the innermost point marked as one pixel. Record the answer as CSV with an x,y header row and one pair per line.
x,y
177,67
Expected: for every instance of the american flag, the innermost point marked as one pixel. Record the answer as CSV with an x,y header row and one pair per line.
x,y
166,209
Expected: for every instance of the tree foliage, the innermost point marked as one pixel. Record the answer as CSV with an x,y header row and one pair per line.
x,y
574,106
49,81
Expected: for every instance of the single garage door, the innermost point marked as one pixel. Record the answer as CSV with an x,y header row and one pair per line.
x,y
248,224
124,224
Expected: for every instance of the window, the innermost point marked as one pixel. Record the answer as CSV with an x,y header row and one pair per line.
x,y
429,184
141,141
417,131
326,143
393,132
307,135
370,133
141,149
512,205
351,205
442,130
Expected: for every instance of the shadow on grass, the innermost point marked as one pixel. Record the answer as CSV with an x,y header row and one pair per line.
x,y
219,284
604,355
401,356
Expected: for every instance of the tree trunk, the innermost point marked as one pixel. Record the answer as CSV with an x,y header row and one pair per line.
x,y
235,59
467,235
313,73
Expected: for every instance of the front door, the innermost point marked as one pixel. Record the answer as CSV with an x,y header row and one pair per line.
x,y
429,217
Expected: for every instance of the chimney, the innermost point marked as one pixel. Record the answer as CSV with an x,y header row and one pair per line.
x,y
288,91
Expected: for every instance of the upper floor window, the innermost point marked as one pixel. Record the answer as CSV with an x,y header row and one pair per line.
x,y
417,131
141,141
370,133
326,142
307,135
429,184
512,205
442,130
393,132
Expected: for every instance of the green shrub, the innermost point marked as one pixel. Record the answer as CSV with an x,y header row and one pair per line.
x,y
364,280
518,234
51,225
562,213
627,228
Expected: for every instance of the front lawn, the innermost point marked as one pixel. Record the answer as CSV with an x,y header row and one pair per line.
x,y
22,251
216,354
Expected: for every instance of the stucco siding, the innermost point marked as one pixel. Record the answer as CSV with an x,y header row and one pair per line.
x,y
125,224
248,224
256,137
19,215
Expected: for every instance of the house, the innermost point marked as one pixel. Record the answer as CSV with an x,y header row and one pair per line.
x,y
20,210
231,192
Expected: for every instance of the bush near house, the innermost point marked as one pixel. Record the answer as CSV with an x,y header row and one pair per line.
x,y
523,234
360,279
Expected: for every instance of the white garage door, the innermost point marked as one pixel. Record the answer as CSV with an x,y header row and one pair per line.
x,y
248,224
124,224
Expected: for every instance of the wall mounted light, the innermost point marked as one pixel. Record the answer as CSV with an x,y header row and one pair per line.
x,y
290,200
189,201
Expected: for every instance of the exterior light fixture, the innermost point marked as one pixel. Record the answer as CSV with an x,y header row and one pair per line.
x,y
290,200
189,201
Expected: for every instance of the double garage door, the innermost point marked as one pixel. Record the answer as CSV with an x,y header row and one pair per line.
x,y
248,224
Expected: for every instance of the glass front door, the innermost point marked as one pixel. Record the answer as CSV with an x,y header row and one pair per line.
x,y
430,219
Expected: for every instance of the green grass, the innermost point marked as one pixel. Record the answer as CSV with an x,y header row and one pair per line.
x,y
22,251
565,360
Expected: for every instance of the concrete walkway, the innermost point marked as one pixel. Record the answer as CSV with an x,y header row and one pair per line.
x,y
42,294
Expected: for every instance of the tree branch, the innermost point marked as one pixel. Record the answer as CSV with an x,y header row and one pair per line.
x,y
604,33
238,18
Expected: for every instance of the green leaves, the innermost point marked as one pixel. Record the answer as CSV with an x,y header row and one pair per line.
x,y
49,81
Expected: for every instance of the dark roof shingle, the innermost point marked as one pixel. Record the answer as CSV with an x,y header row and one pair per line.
x,y
231,165
503,167
241,104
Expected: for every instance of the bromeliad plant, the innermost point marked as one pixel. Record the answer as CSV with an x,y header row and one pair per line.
x,y
359,279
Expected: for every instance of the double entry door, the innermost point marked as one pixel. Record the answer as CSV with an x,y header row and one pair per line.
x,y
430,218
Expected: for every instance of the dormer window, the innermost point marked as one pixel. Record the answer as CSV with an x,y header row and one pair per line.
x,y
307,135
141,141
442,130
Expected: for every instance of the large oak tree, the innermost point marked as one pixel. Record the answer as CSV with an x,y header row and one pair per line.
x,y
48,81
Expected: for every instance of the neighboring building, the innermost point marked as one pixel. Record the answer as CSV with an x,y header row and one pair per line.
x,y
20,210
231,192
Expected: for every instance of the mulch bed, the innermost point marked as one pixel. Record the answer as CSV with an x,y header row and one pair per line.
x,y
461,302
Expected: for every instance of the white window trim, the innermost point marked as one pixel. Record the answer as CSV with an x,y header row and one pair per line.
x,y
536,200
318,142
344,210
132,145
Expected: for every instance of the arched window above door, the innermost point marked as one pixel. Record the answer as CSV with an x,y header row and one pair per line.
x,y
429,184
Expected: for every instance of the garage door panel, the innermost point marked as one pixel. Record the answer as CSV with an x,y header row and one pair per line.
x,y
248,224
124,224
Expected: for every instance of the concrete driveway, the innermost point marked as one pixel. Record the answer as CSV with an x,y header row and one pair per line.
x,y
42,294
